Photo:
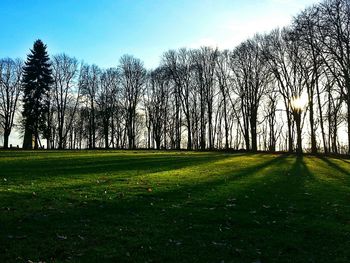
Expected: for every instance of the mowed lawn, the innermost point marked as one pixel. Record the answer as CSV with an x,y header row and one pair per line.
x,y
142,206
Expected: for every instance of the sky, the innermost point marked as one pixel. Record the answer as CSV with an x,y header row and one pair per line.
x,y
101,31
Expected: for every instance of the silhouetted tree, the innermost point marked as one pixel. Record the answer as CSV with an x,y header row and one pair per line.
x,y
251,76
106,99
65,94
10,87
311,65
179,66
223,75
204,63
37,79
282,53
333,31
132,80
89,83
157,105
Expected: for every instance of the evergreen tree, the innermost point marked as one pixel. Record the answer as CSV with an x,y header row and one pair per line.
x,y
37,79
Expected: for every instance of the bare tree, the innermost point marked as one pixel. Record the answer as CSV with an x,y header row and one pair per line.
x,y
132,78
65,94
282,53
107,99
251,76
224,75
157,104
10,87
204,63
311,65
333,31
89,82
179,68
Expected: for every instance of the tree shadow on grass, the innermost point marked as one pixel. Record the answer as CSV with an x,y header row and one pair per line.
x,y
304,213
43,225
39,169
220,218
345,161
335,166
183,188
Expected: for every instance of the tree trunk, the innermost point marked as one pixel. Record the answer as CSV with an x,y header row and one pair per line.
x,y
210,127
226,125
93,130
321,118
106,138
348,119
105,131
6,139
189,137
290,138
312,126
60,138
36,139
297,116
246,139
253,120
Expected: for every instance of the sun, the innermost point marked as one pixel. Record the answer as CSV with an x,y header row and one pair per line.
x,y
299,103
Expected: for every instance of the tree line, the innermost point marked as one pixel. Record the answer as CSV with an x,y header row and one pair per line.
x,y
285,90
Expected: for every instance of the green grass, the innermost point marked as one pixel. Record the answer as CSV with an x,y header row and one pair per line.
x,y
113,206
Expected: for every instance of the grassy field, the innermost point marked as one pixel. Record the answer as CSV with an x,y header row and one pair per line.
x,y
106,206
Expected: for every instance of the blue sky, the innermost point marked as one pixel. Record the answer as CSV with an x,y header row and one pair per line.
x,y
100,31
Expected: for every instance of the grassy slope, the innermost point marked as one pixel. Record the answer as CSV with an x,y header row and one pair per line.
x,y
173,207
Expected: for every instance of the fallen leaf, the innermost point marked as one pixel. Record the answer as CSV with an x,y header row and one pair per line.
x,y
21,237
238,250
218,243
61,237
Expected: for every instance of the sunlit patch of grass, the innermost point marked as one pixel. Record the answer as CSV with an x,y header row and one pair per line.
x,y
142,206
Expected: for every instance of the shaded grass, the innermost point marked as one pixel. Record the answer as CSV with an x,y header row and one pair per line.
x,y
108,206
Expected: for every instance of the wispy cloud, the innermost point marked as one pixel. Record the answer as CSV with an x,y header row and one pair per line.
x,y
232,31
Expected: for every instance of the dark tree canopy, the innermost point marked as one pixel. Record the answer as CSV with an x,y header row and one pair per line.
x,y
37,79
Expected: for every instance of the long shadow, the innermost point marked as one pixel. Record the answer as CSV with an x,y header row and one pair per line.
x,y
197,187
182,190
334,165
293,181
227,178
345,161
125,213
167,225
300,168
38,169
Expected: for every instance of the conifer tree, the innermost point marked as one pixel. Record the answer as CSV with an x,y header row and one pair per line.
x,y
37,79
